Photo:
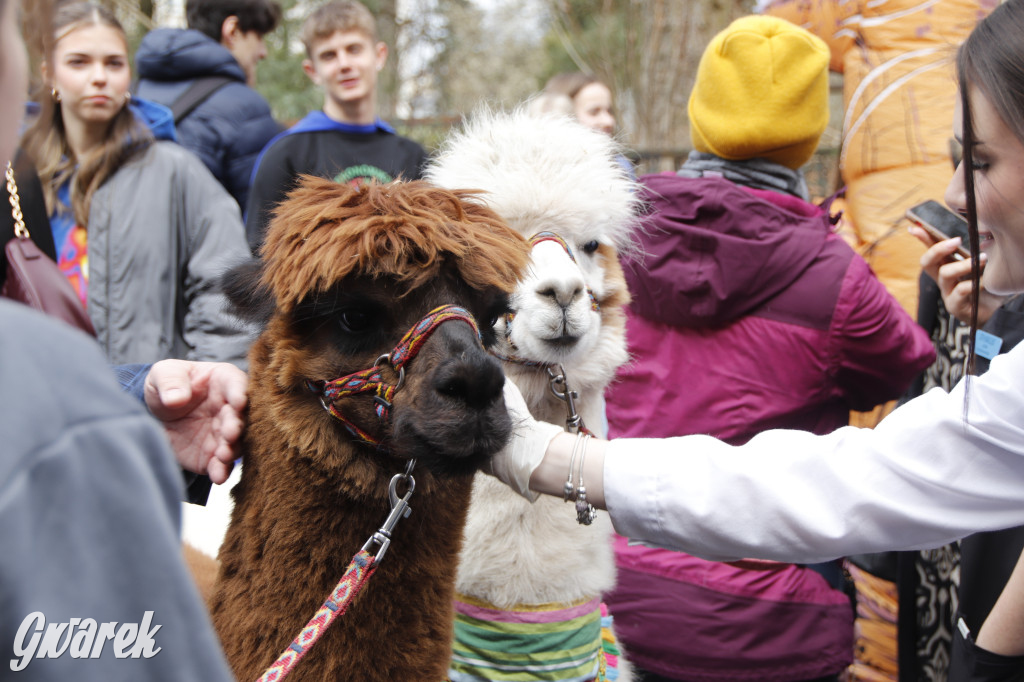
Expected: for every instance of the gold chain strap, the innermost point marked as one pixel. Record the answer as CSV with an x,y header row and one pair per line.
x,y
19,219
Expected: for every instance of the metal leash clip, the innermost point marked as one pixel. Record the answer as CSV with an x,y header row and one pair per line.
x,y
400,509
573,421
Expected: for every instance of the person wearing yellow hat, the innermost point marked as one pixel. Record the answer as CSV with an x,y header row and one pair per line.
x,y
761,92
748,313
760,102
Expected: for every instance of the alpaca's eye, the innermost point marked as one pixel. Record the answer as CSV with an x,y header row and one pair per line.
x,y
354,321
497,311
590,247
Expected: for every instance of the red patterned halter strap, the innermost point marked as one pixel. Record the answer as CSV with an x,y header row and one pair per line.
x,y
372,380
547,236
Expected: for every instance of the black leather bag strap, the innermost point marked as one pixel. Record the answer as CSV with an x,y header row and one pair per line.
x,y
196,94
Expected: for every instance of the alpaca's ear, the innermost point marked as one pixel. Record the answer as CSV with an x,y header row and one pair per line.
x,y
249,299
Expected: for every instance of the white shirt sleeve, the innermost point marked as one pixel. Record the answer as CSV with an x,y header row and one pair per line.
x,y
923,477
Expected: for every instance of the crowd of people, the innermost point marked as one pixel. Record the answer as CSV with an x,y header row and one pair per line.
x,y
729,472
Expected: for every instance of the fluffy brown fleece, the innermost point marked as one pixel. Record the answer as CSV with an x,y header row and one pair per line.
x,y
408,234
616,294
310,496
203,568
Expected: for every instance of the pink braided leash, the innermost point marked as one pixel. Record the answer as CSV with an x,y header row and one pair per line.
x,y
359,570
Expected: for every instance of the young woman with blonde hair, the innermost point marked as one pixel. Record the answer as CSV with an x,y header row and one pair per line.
x,y
140,230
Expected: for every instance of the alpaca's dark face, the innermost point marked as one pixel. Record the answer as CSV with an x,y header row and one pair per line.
x,y
449,413
344,274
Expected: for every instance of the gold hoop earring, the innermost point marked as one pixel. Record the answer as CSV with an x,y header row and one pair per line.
x,y
55,95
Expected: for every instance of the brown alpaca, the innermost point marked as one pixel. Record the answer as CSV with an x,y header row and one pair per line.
x,y
345,273
203,568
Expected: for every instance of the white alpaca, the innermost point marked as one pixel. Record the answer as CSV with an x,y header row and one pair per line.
x,y
546,174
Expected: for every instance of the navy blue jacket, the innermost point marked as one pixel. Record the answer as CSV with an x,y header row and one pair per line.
x,y
228,129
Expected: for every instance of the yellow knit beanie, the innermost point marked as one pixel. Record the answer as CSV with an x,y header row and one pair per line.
x,y
761,92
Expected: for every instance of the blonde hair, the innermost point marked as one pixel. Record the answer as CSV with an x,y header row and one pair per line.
x,y
337,15
46,140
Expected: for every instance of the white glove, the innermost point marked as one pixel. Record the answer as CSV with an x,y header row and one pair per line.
x,y
515,463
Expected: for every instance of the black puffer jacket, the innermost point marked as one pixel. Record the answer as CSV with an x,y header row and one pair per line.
x,y
228,129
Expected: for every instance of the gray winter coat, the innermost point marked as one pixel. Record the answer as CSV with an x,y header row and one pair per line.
x,y
90,508
230,127
162,231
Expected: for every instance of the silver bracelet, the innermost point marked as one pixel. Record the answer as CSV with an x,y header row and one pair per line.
x,y
585,512
568,491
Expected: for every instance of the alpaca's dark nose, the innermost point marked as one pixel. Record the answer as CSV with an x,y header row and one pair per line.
x,y
475,380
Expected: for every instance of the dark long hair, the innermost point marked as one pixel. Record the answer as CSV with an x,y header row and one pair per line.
x,y
991,60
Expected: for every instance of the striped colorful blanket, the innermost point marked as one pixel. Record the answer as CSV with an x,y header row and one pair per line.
x,y
556,642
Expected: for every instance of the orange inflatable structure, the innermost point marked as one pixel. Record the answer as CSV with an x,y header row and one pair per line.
x,y
899,94
899,90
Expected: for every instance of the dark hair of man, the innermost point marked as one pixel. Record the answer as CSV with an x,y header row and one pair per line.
x,y
207,16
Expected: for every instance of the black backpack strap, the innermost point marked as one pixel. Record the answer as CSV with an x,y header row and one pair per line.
x,y
196,94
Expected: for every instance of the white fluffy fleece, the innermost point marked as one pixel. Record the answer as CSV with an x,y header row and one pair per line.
x,y
542,172
547,174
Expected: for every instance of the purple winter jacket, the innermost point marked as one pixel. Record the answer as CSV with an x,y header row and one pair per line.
x,y
749,313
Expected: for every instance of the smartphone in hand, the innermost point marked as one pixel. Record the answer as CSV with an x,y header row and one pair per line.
x,y
942,224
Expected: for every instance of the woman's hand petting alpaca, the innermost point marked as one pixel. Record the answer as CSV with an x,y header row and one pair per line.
x,y
201,405
954,278
516,462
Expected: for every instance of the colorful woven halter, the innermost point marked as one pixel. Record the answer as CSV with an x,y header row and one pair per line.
x,y
364,563
372,380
